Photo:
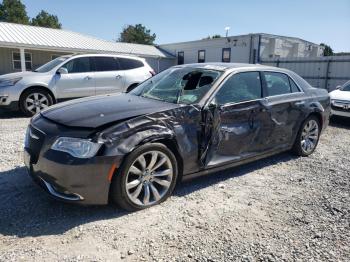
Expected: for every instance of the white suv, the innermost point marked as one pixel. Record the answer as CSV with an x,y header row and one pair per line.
x,y
70,77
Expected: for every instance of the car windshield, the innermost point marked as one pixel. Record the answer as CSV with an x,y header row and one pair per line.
x,y
346,87
50,65
178,85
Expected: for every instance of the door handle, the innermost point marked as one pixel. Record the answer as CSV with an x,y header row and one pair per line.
x,y
88,78
118,77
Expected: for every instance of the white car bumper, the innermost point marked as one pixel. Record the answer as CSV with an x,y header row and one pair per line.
x,y
340,108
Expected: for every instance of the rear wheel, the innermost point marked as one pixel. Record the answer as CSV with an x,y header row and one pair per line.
x,y
308,137
146,178
35,100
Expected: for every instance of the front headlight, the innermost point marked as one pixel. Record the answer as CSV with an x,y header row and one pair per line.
x,y
77,147
9,82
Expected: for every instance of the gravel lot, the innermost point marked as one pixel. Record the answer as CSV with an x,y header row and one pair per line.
x,y
280,208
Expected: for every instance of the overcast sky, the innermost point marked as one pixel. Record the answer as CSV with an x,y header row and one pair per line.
x,y
317,21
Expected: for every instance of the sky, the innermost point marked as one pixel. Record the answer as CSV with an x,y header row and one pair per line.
x,y
318,21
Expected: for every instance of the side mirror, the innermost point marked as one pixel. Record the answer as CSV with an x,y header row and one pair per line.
x,y
338,87
62,71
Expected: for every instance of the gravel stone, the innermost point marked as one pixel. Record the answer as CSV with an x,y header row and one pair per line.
x,y
283,208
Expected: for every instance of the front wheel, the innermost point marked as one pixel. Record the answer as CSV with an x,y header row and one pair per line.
x,y
146,178
308,137
35,100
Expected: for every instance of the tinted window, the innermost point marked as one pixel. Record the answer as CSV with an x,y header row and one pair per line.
x,y
78,65
240,87
201,56
346,87
126,63
180,58
293,86
277,83
106,64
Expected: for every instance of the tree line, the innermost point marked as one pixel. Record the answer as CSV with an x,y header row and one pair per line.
x,y
14,11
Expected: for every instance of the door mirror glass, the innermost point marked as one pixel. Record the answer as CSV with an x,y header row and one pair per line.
x,y
62,71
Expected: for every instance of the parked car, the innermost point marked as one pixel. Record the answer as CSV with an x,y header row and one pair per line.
x,y
71,76
186,121
340,100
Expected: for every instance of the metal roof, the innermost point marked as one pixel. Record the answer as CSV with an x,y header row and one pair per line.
x,y
57,39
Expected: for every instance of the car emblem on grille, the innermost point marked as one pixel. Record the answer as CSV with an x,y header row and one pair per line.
x,y
33,135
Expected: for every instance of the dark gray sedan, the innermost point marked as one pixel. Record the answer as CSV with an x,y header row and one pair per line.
x,y
188,120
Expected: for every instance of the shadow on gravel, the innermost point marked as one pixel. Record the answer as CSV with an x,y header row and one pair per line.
x,y
26,210
5,114
340,122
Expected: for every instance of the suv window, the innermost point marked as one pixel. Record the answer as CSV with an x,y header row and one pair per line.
x,y
240,87
127,63
279,84
106,64
79,65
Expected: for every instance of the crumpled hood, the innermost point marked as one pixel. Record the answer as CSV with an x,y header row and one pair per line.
x,y
340,95
96,111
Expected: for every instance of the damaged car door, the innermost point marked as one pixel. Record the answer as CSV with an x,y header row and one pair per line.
x,y
232,121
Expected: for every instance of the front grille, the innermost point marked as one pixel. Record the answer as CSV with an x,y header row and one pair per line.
x,y
33,143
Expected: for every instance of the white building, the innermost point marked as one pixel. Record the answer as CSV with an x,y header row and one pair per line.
x,y
251,48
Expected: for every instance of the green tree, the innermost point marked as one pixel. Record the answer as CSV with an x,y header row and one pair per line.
x,y
216,36
138,34
45,19
328,51
13,11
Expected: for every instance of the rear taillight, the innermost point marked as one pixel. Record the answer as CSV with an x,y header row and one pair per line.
x,y
152,72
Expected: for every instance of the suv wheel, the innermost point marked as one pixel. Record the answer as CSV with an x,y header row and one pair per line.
x,y
35,100
146,178
308,136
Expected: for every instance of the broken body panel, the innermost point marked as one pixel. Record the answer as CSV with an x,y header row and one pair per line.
x,y
205,136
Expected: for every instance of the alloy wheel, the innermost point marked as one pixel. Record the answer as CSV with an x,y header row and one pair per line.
x,y
309,136
35,102
149,178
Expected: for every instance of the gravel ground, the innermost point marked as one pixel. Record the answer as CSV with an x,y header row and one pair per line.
x,y
279,208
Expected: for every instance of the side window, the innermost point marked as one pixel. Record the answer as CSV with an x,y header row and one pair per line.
x,y
106,64
79,65
293,86
240,87
127,63
277,83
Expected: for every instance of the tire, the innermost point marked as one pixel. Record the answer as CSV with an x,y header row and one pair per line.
x,y
148,185
307,137
34,100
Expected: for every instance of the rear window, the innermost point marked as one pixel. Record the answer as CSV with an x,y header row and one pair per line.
x,y
106,64
127,63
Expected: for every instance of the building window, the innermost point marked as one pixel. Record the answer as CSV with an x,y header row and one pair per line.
x,y
180,58
226,55
16,60
201,56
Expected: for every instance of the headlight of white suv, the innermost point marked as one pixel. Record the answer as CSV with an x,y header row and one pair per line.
x,y
9,82
77,147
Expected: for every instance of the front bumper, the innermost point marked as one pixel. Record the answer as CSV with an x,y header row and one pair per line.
x,y
63,176
66,178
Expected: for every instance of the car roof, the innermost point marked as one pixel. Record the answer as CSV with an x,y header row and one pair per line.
x,y
230,66
106,55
